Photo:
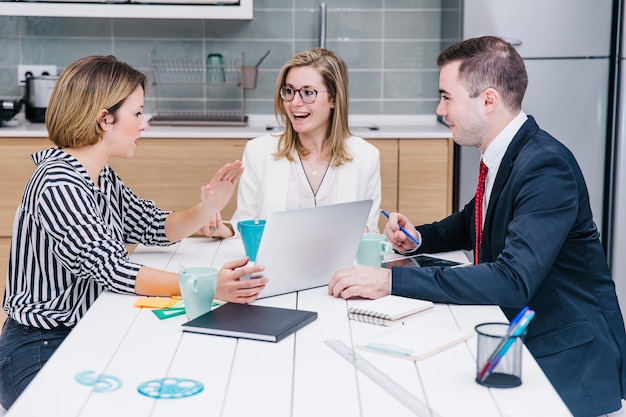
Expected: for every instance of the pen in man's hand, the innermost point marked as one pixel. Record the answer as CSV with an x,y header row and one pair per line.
x,y
406,232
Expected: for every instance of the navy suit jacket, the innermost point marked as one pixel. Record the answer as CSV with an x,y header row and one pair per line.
x,y
540,248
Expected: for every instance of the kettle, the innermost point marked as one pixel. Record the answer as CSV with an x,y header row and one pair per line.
x,y
37,96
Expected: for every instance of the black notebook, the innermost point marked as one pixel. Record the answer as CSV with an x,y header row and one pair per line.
x,y
250,322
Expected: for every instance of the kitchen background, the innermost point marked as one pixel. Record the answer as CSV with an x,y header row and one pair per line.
x,y
390,46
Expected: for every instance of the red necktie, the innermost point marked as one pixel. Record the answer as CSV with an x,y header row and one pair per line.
x,y
478,211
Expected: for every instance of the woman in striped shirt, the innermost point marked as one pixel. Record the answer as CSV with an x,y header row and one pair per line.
x,y
77,216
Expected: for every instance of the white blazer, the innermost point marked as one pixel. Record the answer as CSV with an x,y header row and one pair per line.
x,y
264,182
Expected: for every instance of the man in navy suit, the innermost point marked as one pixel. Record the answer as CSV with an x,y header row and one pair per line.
x,y
540,246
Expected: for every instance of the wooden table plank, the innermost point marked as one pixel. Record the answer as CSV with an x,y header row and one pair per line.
x,y
89,347
324,383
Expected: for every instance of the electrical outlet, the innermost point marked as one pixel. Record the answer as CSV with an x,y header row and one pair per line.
x,y
36,70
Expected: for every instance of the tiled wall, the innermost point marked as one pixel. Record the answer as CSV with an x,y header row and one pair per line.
x,y
390,46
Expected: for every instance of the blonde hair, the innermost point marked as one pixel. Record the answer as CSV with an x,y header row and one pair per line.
x,y
86,87
334,73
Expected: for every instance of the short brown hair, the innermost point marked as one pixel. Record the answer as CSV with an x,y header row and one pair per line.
x,y
84,88
489,61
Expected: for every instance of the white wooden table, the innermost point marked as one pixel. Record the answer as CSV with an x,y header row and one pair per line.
x,y
298,376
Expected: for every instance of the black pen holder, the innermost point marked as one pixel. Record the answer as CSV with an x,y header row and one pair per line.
x,y
507,373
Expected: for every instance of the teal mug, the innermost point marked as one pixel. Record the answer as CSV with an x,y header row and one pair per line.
x,y
372,249
215,68
251,232
197,286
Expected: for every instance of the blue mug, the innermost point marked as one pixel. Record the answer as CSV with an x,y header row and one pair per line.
x,y
251,232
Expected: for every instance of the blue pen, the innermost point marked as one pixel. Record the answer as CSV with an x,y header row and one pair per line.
x,y
508,335
406,232
519,330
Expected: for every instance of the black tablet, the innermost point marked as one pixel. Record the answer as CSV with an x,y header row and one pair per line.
x,y
420,260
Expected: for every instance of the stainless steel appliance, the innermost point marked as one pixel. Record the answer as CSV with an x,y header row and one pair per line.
x,y
9,107
617,200
38,92
568,71
575,52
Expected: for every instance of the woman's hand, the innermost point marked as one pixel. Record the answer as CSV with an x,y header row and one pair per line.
x,y
213,197
216,194
231,288
216,228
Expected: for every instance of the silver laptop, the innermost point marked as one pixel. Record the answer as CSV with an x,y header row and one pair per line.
x,y
303,248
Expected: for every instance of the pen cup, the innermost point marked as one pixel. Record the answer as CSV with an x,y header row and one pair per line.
x,y
507,373
248,77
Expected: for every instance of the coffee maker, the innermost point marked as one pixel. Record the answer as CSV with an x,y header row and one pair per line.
x,y
38,92
9,107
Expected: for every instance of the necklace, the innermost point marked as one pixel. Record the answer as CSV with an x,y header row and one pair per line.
x,y
313,169
314,184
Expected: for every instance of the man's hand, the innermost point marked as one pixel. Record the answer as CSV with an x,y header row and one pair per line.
x,y
400,241
360,281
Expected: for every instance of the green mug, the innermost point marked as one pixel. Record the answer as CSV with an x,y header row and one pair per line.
x,y
372,249
197,286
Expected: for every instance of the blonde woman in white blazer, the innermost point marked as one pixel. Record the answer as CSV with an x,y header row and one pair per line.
x,y
316,160
264,185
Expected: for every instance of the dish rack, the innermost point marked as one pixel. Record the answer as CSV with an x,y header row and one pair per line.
x,y
187,92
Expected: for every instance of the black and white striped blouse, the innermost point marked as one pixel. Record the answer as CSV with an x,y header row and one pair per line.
x,y
69,241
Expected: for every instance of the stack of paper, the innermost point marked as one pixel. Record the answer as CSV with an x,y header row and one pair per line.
x,y
414,341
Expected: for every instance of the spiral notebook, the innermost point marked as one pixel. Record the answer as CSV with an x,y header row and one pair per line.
x,y
387,311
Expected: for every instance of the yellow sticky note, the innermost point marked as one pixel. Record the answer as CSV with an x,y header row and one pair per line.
x,y
155,302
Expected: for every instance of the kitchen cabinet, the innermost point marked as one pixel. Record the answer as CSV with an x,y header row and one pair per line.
x,y
242,11
5,244
172,171
425,171
416,173
16,167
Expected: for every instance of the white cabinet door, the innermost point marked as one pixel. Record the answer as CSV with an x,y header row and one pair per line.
x,y
134,10
545,28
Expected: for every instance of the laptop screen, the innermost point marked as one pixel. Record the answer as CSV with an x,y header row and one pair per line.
x,y
302,249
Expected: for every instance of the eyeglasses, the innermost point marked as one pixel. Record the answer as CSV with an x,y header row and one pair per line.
x,y
307,94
